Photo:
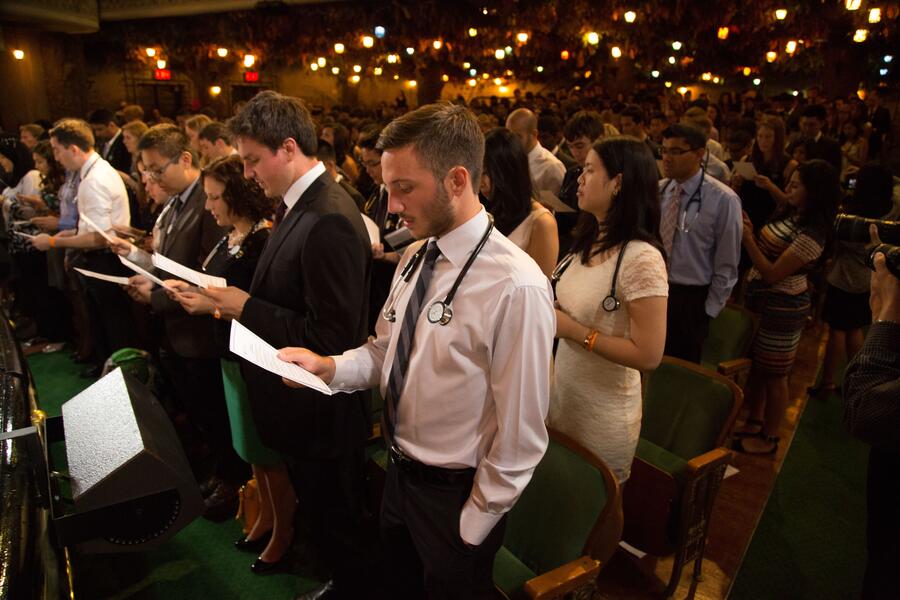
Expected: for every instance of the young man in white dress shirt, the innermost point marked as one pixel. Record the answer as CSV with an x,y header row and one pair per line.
x,y
469,413
547,171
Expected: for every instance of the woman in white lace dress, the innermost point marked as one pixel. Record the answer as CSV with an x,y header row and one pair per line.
x,y
608,337
507,192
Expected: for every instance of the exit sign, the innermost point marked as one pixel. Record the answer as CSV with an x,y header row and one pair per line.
x,y
162,74
251,76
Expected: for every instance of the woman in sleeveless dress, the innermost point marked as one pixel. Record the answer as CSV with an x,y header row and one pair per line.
x,y
606,341
508,195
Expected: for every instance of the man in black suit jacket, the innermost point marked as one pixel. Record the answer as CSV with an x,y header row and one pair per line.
x,y
187,233
110,144
310,289
812,120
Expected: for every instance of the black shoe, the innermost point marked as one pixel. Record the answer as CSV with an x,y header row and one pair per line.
x,y
222,504
92,372
261,567
326,591
256,546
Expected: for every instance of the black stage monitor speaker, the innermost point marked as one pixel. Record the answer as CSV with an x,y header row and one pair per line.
x,y
131,484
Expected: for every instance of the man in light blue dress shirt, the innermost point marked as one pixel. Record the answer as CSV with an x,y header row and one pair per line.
x,y
701,231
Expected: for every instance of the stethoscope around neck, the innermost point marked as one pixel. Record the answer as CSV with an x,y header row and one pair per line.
x,y
683,225
611,303
440,311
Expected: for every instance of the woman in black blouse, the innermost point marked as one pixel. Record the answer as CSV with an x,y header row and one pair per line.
x,y
240,204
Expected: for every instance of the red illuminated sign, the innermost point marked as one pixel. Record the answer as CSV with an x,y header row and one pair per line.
x,y
162,74
251,76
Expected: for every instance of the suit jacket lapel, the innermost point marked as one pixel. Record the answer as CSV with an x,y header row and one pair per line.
x,y
282,232
187,215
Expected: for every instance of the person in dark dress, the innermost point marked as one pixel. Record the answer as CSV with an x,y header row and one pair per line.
x,y
241,206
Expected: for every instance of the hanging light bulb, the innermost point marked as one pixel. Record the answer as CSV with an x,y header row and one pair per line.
x,y
379,31
746,71
473,72
671,60
472,32
682,90
321,61
314,67
357,68
676,46
757,81
630,16
874,15
781,14
377,71
445,78
338,48
355,79
412,83
616,52
668,84
249,60
706,76
368,41
593,38
393,58
723,33
335,70
161,64
222,52
771,56
215,90
497,81
410,51
436,44
654,74
499,54
564,55
539,69
852,4
19,54
472,83
503,89
522,37
151,52
860,35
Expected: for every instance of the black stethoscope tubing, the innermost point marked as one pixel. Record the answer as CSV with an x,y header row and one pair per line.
x,y
440,311
695,197
611,303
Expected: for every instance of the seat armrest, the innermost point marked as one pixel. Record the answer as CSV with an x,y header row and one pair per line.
x,y
732,367
564,579
707,462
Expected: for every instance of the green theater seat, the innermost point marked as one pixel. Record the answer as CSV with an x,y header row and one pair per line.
x,y
728,343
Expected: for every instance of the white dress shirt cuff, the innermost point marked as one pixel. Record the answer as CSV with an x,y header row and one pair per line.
x,y
475,525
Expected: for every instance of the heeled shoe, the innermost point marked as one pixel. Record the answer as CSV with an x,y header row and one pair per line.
x,y
256,546
739,445
749,423
261,567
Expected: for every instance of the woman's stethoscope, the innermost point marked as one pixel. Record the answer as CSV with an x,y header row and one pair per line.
x,y
439,312
683,224
611,302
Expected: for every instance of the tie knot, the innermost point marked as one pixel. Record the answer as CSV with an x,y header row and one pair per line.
x,y
431,253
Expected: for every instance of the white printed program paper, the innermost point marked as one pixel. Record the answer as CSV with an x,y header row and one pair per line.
x,y
256,350
182,272
142,271
103,276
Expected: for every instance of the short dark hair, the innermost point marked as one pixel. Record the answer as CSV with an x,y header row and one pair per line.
x,y
243,196
270,118
816,111
444,136
690,134
101,116
325,152
634,214
634,112
167,139
216,131
549,122
73,132
584,123
658,116
368,139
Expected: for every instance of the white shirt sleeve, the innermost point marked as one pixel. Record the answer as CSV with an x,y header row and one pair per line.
x,y
520,385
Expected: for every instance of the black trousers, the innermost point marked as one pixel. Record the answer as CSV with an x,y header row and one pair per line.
x,y
331,503
687,323
197,386
883,528
46,305
109,307
424,554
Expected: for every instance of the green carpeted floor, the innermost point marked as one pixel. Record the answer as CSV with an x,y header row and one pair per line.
x,y
199,562
810,541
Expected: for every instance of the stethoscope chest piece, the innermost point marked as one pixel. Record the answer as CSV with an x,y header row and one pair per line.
x,y
440,313
610,303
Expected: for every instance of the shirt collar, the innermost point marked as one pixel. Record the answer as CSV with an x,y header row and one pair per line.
x,y
691,184
186,193
88,164
113,138
456,245
301,185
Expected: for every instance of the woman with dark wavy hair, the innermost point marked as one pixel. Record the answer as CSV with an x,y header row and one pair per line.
x,y
607,338
240,205
784,251
508,195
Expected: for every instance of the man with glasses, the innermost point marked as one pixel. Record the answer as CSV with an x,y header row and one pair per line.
x,y
701,232
189,356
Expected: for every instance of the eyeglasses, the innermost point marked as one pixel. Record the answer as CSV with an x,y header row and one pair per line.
x,y
371,164
156,174
675,151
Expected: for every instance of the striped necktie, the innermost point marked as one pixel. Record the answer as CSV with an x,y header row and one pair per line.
x,y
405,341
670,221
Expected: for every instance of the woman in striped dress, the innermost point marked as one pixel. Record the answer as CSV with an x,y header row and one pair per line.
x,y
783,252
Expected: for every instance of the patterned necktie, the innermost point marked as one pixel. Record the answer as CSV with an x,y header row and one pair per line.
x,y
279,214
404,342
670,220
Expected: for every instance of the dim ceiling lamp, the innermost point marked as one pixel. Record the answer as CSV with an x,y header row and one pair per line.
x,y
215,90
564,55
249,60
781,14
222,52
723,33
616,52
19,54
630,16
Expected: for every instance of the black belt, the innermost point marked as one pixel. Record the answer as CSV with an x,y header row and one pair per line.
x,y
428,473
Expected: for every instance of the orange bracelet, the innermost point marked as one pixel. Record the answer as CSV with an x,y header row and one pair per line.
x,y
52,242
590,339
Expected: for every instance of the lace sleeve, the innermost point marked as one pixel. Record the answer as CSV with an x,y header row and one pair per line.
x,y
643,273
